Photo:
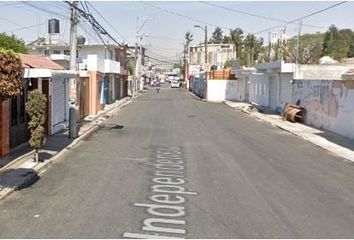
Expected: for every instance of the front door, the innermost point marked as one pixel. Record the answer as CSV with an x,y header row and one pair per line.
x,y
84,97
19,132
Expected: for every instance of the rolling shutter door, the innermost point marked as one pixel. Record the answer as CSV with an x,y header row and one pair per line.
x,y
59,101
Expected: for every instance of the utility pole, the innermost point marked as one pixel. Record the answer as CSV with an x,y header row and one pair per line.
x,y
206,44
269,46
137,37
73,82
298,42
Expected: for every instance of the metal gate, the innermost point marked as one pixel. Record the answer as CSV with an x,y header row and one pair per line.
x,y
19,132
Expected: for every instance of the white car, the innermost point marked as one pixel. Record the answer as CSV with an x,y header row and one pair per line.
x,y
174,84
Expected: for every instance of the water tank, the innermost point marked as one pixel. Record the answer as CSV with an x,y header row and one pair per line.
x,y
81,40
53,26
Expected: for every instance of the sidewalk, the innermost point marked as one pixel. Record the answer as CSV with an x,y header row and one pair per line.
x,y
20,169
336,144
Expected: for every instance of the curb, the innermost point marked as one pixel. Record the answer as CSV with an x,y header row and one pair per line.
x,y
193,95
40,168
345,156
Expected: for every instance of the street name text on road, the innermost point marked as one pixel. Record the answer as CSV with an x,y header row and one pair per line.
x,y
169,195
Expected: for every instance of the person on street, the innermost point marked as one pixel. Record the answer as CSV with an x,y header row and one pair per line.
x,y
158,86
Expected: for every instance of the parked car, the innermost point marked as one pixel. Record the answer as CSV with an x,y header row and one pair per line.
x,y
174,84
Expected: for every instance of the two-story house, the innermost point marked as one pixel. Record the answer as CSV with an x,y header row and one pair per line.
x,y
101,74
218,54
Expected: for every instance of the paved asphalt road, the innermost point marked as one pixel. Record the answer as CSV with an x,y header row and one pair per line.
x,y
233,177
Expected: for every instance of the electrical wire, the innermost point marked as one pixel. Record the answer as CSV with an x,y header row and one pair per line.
x,y
303,17
101,30
253,14
109,24
43,9
183,16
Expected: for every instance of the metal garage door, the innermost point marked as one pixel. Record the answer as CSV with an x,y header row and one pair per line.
x,y
59,110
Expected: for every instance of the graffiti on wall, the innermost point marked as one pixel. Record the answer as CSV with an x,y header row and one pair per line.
x,y
329,104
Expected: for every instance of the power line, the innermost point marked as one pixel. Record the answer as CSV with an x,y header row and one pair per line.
x,y
253,14
301,18
43,9
28,27
183,16
114,29
101,30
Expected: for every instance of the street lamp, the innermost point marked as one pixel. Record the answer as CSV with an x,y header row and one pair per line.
x,y
205,29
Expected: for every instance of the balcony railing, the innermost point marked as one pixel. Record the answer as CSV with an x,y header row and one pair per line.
x,y
111,66
60,57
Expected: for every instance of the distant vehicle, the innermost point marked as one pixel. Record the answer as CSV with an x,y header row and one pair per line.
x,y
171,76
175,83
162,79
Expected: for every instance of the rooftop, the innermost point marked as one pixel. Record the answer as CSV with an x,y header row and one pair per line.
x,y
32,61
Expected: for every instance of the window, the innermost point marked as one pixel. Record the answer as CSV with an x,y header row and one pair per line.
x,y
56,51
67,52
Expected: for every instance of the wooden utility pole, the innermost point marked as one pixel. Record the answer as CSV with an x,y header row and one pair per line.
x,y
73,82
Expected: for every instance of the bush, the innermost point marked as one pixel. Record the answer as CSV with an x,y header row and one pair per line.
x,y
10,74
36,107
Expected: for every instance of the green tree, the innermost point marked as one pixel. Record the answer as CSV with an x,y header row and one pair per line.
x,y
12,43
228,64
338,43
216,36
10,74
236,36
36,107
250,43
260,51
226,39
310,48
130,66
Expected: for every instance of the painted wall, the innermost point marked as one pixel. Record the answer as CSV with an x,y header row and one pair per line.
x,y
329,104
221,90
199,87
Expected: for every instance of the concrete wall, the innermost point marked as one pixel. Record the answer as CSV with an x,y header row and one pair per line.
x,y
221,90
95,63
314,72
329,104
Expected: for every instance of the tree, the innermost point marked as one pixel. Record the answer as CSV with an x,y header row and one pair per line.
x,y
226,39
338,43
130,68
310,48
217,36
250,43
10,74
12,43
259,52
228,64
189,37
237,40
36,107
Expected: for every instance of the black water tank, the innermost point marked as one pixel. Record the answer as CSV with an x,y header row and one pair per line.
x,y
53,26
81,40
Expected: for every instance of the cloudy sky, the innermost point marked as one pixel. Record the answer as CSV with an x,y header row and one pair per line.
x,y
170,20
